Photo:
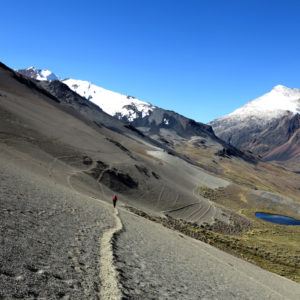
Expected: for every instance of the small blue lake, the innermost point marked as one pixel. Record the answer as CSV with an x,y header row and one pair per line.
x,y
277,219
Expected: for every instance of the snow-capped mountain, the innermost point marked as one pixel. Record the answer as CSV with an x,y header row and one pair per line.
x,y
126,108
156,122
151,120
164,125
263,124
271,105
121,106
38,74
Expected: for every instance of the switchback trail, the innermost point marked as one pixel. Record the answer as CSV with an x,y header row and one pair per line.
x,y
108,274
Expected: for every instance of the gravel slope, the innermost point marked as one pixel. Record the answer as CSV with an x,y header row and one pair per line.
x,y
50,248
50,238
157,263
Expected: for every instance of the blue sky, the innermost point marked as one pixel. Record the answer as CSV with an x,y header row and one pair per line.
x,y
202,59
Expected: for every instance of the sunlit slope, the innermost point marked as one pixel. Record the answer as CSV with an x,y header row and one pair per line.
x,y
58,136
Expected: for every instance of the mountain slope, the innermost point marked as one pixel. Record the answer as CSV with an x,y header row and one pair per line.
x,y
123,160
150,119
144,116
263,124
73,157
290,150
196,142
168,127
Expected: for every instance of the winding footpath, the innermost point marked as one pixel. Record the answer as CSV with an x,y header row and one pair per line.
x,y
108,274
109,289
155,262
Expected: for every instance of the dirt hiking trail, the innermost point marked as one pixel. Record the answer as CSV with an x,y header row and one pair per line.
x,y
108,274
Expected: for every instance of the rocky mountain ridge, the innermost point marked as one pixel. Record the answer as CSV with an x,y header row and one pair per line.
x,y
167,127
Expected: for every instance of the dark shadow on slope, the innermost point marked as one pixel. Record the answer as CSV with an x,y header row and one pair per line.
x,y
117,181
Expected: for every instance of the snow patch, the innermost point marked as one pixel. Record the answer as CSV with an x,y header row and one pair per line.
x,y
111,102
274,104
38,74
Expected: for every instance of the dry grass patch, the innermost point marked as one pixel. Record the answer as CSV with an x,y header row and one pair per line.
x,y
263,175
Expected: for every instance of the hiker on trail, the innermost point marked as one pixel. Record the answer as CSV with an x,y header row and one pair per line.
x,y
114,198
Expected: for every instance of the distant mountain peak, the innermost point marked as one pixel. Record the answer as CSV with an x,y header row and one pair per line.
x,y
272,104
264,123
289,92
280,87
38,74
